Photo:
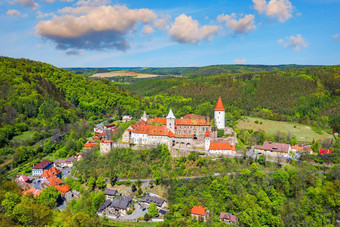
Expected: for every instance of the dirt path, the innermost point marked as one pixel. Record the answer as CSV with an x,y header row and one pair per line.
x,y
5,163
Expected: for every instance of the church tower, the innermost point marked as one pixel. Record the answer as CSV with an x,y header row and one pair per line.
x,y
219,114
144,117
207,140
170,121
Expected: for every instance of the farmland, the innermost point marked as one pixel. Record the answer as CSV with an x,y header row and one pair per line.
x,y
124,73
302,132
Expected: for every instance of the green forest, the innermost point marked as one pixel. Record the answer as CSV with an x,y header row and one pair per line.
x,y
49,113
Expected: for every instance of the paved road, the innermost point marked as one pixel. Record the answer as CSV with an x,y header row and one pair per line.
x,y
135,215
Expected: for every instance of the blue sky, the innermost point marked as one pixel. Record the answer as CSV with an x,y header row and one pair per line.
x,y
108,33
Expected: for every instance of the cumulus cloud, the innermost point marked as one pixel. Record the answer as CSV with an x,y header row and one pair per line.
x,y
187,30
97,28
280,9
240,61
13,12
336,37
162,23
297,42
243,25
26,3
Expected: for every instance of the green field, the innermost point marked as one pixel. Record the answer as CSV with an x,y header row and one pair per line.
x,y
24,137
303,133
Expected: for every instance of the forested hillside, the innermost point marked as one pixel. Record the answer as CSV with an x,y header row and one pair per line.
x,y
307,95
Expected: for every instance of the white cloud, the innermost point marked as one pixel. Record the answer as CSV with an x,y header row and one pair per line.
x,y
297,42
280,9
26,3
336,37
73,52
243,25
148,29
13,12
187,30
240,61
98,28
162,23
43,15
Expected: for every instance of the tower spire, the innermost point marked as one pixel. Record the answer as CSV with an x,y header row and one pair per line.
x,y
219,105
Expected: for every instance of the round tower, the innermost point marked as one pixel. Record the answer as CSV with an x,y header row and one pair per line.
x,y
207,140
219,114
170,121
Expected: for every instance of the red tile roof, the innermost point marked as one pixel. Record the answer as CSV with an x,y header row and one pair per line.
x,y
219,105
23,177
43,164
297,147
109,126
34,191
52,181
158,120
90,145
106,141
50,172
325,151
207,134
221,146
63,189
192,122
198,210
271,146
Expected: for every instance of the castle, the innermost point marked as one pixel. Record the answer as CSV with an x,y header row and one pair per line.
x,y
189,131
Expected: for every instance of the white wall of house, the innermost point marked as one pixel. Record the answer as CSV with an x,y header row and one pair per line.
x,y
139,138
222,152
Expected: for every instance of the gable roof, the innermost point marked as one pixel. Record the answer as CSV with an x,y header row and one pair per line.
x,y
110,192
50,172
121,203
198,210
23,177
152,199
63,189
90,145
229,216
34,191
271,146
297,147
43,164
185,121
52,181
221,146
104,205
219,105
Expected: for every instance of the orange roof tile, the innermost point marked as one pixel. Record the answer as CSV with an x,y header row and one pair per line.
x,y
158,120
50,172
63,189
219,105
297,147
207,134
34,191
90,144
221,146
54,181
192,122
198,210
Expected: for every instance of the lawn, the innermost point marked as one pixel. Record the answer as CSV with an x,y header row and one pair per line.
x,y
24,137
303,133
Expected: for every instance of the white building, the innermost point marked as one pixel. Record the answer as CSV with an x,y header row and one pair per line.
x,y
219,114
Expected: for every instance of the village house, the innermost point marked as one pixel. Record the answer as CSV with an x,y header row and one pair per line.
x,y
105,146
32,191
68,162
127,118
90,146
23,178
38,169
152,199
325,151
110,193
228,218
53,181
47,173
198,212
297,148
272,149
218,148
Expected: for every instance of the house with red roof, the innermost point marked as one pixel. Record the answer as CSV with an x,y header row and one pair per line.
x,y
53,181
23,178
105,146
53,171
38,169
325,151
198,212
63,189
218,148
272,149
32,191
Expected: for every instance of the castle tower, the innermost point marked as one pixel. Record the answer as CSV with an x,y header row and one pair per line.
x,y
219,114
207,140
144,117
170,121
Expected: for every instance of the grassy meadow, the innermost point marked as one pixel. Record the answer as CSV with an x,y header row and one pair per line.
x,y
303,133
